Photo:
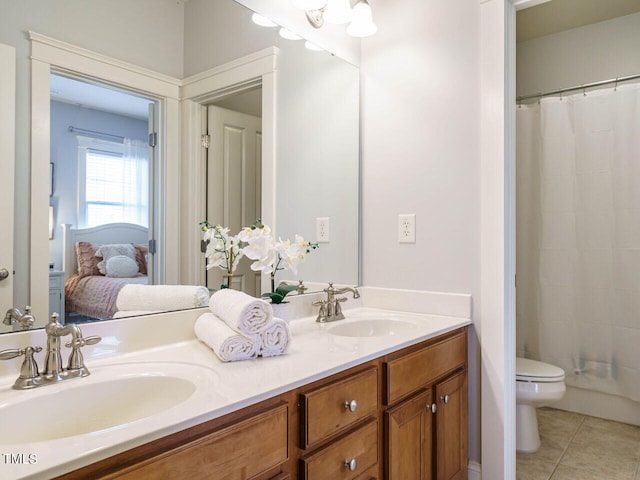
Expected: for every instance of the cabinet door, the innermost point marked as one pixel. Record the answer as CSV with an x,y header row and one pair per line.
x,y
452,428
409,439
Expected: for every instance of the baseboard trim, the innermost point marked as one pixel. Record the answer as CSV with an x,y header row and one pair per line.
x,y
475,472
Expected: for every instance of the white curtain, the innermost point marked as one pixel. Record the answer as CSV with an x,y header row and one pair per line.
x,y
136,193
578,237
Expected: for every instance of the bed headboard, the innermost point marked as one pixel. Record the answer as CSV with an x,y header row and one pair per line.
x,y
102,234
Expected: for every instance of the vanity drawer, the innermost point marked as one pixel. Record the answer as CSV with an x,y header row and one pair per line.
x,y
328,410
239,452
329,463
411,372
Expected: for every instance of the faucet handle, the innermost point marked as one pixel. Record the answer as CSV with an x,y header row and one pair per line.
x,y
29,370
81,342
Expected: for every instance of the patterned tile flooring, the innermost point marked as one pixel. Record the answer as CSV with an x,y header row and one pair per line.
x,y
579,447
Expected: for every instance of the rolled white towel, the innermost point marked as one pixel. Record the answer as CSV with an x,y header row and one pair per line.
x,y
275,339
243,313
227,344
161,297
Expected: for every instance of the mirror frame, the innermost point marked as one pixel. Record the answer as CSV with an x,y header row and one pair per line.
x,y
47,55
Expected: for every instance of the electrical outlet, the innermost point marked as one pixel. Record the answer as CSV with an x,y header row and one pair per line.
x,y
407,228
322,229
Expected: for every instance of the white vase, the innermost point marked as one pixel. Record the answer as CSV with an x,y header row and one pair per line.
x,y
282,310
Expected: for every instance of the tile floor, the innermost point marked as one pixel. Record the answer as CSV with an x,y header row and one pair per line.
x,y
579,447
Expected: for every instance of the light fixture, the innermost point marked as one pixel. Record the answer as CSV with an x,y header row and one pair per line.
x,y
289,35
262,21
338,12
362,23
360,17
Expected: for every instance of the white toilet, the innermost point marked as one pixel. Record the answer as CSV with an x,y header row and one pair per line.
x,y
537,384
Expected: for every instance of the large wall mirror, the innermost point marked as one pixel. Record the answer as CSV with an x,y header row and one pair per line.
x,y
98,126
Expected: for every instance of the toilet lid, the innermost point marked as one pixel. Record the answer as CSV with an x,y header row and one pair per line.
x,y
533,371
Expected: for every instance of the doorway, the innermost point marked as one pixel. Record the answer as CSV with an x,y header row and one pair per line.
x,y
234,176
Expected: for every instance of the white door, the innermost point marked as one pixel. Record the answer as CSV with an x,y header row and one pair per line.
x,y
234,184
7,165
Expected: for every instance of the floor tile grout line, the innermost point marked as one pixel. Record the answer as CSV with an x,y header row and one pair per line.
x,y
564,451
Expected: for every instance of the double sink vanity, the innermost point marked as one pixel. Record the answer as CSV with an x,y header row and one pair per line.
x,y
380,394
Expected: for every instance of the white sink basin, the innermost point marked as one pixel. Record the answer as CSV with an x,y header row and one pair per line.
x,y
111,397
372,328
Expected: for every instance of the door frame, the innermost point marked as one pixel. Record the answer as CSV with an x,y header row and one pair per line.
x,y
495,320
237,76
7,163
49,54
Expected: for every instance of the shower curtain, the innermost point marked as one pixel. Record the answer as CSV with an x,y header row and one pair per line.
x,y
578,237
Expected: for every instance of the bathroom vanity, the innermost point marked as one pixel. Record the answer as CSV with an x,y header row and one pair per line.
x,y
401,413
382,394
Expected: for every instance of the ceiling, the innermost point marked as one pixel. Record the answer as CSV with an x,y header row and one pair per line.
x,y
559,15
88,95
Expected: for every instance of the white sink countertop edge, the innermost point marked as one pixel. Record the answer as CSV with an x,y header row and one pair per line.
x,y
314,354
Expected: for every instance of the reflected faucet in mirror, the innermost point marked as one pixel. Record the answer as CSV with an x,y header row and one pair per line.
x,y
15,316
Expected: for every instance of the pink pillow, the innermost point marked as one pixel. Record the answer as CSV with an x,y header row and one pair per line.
x,y
141,257
86,258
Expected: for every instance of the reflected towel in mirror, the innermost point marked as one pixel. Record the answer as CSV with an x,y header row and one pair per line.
x,y
161,297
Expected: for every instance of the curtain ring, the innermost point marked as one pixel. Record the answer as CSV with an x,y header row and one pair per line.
x,y
615,87
584,91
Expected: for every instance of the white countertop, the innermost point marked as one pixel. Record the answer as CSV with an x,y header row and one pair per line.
x,y
314,353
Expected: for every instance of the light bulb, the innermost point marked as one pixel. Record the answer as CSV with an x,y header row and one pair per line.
x,y
262,21
362,24
289,35
338,12
309,4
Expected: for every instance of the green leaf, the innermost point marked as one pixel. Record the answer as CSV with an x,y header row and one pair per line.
x,y
285,289
275,297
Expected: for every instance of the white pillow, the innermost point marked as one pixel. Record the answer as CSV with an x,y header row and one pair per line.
x,y
121,266
111,250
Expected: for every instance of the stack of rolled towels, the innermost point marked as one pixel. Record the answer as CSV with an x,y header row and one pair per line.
x,y
240,327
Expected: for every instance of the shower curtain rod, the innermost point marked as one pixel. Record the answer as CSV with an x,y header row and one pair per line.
x,y
93,132
579,87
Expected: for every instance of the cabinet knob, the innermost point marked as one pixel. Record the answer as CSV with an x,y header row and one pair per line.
x,y
351,464
445,399
351,406
433,407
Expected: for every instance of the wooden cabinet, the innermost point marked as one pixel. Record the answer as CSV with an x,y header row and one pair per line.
x,y
451,427
333,408
346,458
409,438
403,415
238,452
426,422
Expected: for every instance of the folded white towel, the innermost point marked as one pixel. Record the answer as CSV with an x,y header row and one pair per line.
x,y
226,343
134,313
161,297
243,313
275,339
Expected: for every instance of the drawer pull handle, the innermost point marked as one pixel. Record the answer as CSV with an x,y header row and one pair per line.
x,y
445,399
351,406
351,464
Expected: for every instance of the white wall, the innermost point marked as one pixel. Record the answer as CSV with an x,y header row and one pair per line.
x,y
587,54
150,34
420,141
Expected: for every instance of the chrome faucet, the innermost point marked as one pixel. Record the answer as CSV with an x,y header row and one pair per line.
x,y
15,316
53,372
330,309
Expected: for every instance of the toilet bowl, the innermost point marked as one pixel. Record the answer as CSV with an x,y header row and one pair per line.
x,y
537,384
